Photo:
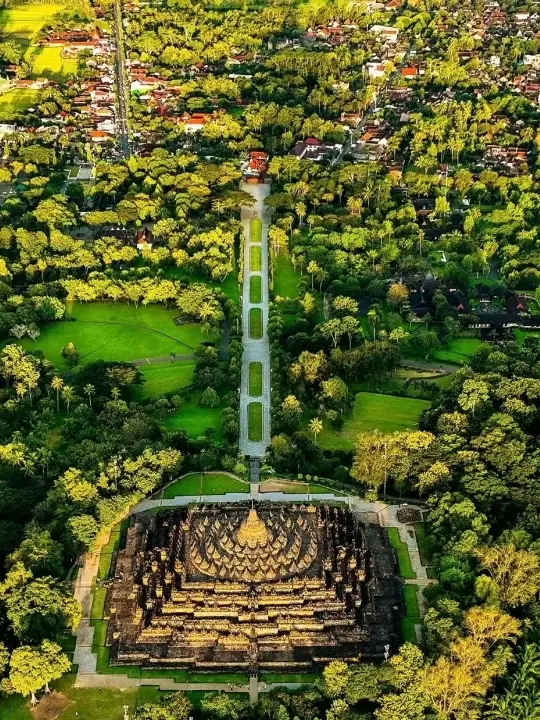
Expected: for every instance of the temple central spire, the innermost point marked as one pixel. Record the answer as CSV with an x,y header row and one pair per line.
x,y
252,531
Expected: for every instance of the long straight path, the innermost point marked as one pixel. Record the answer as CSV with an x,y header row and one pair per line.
x,y
255,350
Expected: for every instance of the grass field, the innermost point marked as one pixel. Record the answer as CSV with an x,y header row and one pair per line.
x,y
255,230
116,331
255,258
212,484
164,378
372,411
458,352
255,323
402,553
17,100
412,613
194,419
255,379
255,289
255,421
304,678
285,279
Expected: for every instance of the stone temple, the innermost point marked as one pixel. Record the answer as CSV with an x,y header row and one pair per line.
x,y
252,588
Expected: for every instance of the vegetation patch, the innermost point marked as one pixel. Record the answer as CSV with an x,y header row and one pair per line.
x,y
255,323
412,613
255,289
402,554
255,429
458,352
255,379
194,419
255,230
162,378
255,258
282,678
208,483
285,278
371,411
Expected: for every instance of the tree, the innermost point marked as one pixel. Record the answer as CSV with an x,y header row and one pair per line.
x,y
315,426
473,393
313,269
68,395
513,576
89,390
71,354
292,409
370,462
374,320
209,398
57,384
336,678
32,668
398,293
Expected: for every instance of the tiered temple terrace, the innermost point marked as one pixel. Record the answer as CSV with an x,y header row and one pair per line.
x,y
235,587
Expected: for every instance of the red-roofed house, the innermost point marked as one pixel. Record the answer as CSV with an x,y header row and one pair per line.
x,y
255,164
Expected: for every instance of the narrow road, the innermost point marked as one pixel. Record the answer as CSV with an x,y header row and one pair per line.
x,y
122,130
440,367
255,350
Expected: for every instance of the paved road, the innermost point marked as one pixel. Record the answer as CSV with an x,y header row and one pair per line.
x,y
255,350
122,129
442,368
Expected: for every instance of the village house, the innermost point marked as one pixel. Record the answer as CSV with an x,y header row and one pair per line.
x,y
314,150
385,33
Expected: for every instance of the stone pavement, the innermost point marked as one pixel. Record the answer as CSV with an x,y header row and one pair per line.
x,y
255,350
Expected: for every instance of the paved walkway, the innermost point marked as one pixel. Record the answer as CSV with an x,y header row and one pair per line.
x,y
255,350
441,368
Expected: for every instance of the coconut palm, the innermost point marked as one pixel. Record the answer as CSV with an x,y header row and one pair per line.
x,y
68,395
315,426
89,390
57,384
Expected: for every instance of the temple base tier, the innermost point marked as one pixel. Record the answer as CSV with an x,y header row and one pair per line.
x,y
274,586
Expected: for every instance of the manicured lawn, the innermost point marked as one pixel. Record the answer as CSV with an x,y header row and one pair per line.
x,y
255,379
255,289
412,613
48,62
285,279
255,258
117,331
212,484
255,421
255,323
373,411
402,553
233,678
255,230
164,378
458,352
194,419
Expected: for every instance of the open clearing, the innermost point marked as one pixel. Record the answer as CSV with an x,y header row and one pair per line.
x,y
211,484
255,421
255,379
285,279
194,419
164,378
459,351
372,411
115,332
16,101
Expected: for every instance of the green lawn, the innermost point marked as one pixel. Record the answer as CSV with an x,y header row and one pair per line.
x,y
402,553
255,323
212,484
255,421
116,331
285,279
164,378
412,613
373,411
255,230
48,62
255,379
255,258
255,289
458,352
194,419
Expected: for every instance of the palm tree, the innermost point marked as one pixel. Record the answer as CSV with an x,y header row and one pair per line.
x,y
115,392
57,384
89,390
315,426
68,395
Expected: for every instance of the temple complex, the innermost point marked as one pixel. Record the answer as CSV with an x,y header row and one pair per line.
x,y
274,586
